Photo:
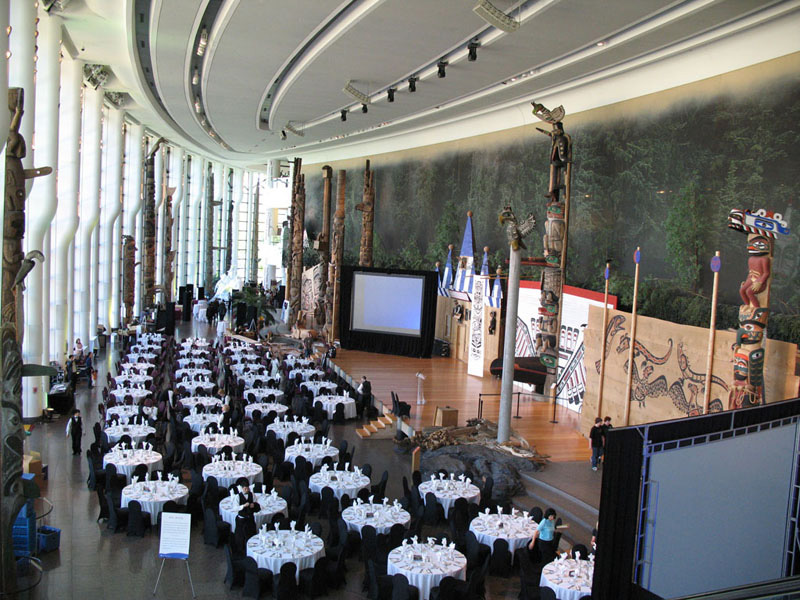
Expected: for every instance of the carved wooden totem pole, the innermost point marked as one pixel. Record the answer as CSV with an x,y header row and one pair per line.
x,y
149,228
14,269
211,203
323,246
367,207
761,228
298,227
168,272
555,238
337,258
128,275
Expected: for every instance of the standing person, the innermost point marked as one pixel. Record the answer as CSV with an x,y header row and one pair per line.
x,y
606,427
545,534
364,391
596,441
221,310
89,369
75,430
77,349
248,507
308,345
69,371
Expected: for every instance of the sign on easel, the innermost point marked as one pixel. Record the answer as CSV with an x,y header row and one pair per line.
x,y
176,530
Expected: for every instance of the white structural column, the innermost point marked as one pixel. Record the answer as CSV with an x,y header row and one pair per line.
x,y
194,219
42,203
135,199
90,207
67,213
22,45
112,207
176,181
159,164
238,182
509,344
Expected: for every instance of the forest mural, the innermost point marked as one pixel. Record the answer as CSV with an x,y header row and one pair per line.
x,y
664,181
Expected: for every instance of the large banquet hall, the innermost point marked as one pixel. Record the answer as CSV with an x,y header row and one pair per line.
x,y
310,299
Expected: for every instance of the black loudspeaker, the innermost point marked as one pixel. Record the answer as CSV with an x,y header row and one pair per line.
x,y
251,316
241,314
281,296
201,292
165,319
441,348
186,302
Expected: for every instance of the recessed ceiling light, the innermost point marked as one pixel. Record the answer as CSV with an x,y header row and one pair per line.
x,y
600,44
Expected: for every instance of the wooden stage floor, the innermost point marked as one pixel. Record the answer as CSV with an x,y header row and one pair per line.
x,y
447,384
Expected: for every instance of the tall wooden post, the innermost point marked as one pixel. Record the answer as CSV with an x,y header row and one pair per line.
x,y
167,269
298,227
149,228
606,274
128,275
323,241
367,207
716,263
337,255
211,203
636,258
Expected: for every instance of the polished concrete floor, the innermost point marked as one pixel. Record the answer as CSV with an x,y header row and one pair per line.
x,y
94,563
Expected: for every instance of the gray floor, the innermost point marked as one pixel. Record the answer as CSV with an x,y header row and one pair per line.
x,y
94,563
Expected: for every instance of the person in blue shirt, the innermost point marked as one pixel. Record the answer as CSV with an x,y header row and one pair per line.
x,y
545,534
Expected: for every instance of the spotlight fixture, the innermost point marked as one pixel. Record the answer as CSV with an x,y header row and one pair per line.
x,y
412,84
441,66
390,94
198,106
496,17
344,114
355,93
196,76
364,108
283,135
294,130
472,51
203,42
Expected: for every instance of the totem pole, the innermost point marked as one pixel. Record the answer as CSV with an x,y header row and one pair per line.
x,y
367,207
555,238
128,275
761,228
149,228
229,232
298,222
209,249
337,258
15,267
323,246
169,254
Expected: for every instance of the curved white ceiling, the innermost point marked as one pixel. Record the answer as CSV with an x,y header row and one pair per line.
x,y
313,47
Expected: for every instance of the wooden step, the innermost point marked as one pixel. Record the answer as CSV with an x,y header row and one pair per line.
x,y
386,421
371,428
363,433
378,424
388,418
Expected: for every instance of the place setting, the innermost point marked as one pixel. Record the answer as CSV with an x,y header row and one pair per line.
x,y
313,453
381,516
425,565
271,548
227,472
284,426
341,482
126,459
447,491
270,504
570,578
153,494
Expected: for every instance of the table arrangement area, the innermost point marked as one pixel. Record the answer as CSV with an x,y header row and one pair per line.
x,y
228,472
271,504
271,549
381,516
569,578
425,565
447,491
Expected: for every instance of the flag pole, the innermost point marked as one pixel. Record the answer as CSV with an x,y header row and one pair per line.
x,y
636,258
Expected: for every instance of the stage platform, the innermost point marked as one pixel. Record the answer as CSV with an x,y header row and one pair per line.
x,y
448,384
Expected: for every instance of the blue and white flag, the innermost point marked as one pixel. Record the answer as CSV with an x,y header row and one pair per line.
x,y
496,299
447,276
487,281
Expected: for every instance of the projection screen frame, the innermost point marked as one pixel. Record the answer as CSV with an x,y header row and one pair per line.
x,y
420,279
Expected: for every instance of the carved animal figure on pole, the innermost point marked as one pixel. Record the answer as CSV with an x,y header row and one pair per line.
x,y
14,270
367,207
128,275
298,227
323,243
149,228
169,256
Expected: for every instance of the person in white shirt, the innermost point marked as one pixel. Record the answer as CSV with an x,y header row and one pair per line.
x,y
75,429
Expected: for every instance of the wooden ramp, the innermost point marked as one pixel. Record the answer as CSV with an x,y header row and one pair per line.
x,y
380,429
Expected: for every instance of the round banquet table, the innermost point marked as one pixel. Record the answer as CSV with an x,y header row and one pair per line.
x,y
184,363
214,442
296,362
181,373
263,394
138,433
153,495
329,403
207,401
193,386
125,412
149,357
194,343
135,393
282,429
145,347
305,373
194,353
316,386
250,379
136,367
244,357
570,579
313,453
432,564
447,491
265,407
517,530
381,517
227,472
303,549
199,421
133,378
271,504
127,460
345,482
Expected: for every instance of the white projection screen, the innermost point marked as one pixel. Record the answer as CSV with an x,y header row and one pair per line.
x,y
383,303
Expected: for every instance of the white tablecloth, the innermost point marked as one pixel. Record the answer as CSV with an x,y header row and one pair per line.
x,y
199,311
313,453
295,362
316,387
134,378
303,549
126,412
282,429
207,401
305,373
432,565
262,393
517,530
271,504
135,393
198,362
448,491
198,422
382,519
215,442
569,579
194,353
250,379
190,373
137,432
155,496
147,356
265,407
244,357
127,460
346,482
193,386
194,343
329,404
145,347
136,367
228,471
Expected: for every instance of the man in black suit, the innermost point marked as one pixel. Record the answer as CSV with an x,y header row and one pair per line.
x,y
364,391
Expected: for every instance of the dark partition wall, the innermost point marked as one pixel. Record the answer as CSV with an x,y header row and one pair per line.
x,y
387,343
